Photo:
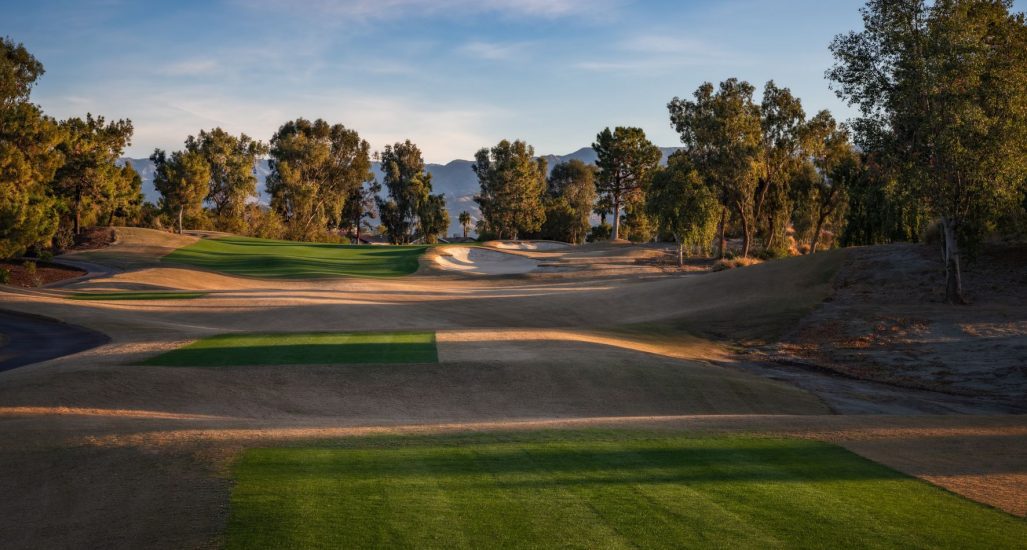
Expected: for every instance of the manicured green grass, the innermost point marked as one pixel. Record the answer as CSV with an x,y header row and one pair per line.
x,y
156,295
297,348
595,490
296,260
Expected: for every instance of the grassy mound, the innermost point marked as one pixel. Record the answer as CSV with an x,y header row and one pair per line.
x,y
303,348
145,295
264,258
595,490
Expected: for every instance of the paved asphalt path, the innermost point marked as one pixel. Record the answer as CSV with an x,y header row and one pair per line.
x,y
30,339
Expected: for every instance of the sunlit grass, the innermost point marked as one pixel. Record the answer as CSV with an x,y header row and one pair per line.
x,y
303,348
595,490
265,258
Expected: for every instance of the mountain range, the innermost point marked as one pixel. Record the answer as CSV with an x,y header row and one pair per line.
x,y
455,179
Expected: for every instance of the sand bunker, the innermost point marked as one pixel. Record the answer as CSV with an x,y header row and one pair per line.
x,y
481,261
527,245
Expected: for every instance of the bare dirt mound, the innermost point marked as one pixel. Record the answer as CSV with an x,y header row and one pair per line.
x,y
528,245
887,322
134,247
482,261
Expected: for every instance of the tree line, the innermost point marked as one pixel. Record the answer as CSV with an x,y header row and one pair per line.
x,y
940,147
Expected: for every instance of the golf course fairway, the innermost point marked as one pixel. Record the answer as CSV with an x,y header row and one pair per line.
x,y
595,490
269,259
305,348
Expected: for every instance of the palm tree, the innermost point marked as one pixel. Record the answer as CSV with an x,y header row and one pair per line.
x,y
465,221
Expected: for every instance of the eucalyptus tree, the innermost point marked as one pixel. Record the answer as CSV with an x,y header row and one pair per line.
x,y
834,167
683,205
29,155
570,198
314,168
120,194
408,185
723,136
361,205
782,121
942,90
513,183
626,160
233,181
432,218
182,181
91,150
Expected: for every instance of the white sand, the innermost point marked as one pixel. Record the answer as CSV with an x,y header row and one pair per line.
x,y
481,261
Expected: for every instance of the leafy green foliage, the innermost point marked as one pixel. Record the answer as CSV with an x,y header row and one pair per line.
x,y
28,155
91,150
626,161
409,189
594,489
269,259
314,168
232,180
684,205
723,136
465,222
303,348
942,87
570,196
182,180
513,183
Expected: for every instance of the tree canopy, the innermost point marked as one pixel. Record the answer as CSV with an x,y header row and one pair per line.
x,y
512,184
626,160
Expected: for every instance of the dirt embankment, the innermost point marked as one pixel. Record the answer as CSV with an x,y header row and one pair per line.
x,y
887,321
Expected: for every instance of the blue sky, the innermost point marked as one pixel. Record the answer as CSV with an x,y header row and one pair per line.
x,y
452,75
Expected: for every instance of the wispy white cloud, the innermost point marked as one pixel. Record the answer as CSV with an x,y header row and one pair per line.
x,y
651,53
493,51
384,9
192,67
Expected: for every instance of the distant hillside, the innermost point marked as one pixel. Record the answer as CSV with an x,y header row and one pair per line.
x,y
455,179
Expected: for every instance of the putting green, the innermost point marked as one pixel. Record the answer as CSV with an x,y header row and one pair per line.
x,y
136,295
265,258
298,348
595,490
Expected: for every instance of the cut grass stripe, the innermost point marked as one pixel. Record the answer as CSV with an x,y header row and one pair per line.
x,y
145,295
303,348
592,489
269,259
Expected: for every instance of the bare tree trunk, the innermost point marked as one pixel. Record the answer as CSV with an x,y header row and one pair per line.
x,y
953,277
616,217
816,235
180,210
721,229
746,237
358,232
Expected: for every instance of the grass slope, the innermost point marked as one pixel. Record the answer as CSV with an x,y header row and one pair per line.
x,y
302,348
158,295
595,490
264,258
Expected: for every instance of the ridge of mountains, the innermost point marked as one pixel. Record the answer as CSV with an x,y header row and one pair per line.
x,y
455,179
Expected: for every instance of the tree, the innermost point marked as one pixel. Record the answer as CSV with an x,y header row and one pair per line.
x,y
512,183
120,193
182,180
465,222
28,155
232,162
684,205
361,205
314,168
408,184
782,121
940,87
570,198
836,167
723,135
626,160
432,218
91,151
